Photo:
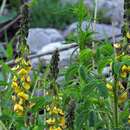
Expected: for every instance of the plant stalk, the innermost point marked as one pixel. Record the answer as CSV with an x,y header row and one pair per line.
x,y
2,7
94,29
115,102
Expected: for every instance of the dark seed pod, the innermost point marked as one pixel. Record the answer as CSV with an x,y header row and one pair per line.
x,y
23,32
54,68
71,114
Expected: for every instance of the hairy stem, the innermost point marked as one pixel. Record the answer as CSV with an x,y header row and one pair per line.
x,y
115,102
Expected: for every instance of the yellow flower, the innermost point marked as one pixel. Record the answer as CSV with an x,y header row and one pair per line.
x,y
18,107
14,84
109,87
117,45
22,72
123,74
28,79
128,35
51,121
57,128
54,111
51,128
18,60
129,119
23,95
22,78
16,87
14,79
14,98
47,108
123,97
62,122
21,101
121,87
124,68
60,112
128,68
26,86
28,68
15,68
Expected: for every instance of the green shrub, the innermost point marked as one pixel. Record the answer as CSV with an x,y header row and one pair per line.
x,y
51,13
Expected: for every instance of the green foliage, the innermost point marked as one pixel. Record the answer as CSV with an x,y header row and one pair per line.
x,y
51,13
15,4
95,106
8,17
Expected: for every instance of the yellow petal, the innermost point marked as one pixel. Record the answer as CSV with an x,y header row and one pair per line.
x,y
51,121
123,74
128,35
128,68
123,97
23,95
57,128
129,119
28,79
109,87
14,84
26,86
18,107
62,122
124,68
22,72
14,78
21,101
117,45
15,68
14,98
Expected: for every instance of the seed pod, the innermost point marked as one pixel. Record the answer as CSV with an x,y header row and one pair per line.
x,y
54,69
71,114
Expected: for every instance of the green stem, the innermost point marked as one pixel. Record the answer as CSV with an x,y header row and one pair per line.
x,y
2,7
115,102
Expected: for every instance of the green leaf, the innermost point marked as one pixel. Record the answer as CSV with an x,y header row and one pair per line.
x,y
9,51
7,18
82,73
106,50
71,72
116,67
40,102
102,63
92,119
86,56
101,86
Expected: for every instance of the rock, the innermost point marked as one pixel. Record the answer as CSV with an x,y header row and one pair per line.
x,y
39,37
107,71
102,31
60,80
64,55
39,92
113,9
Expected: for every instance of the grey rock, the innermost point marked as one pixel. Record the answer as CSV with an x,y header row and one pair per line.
x,y
39,37
102,31
64,55
39,92
106,71
60,80
113,9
